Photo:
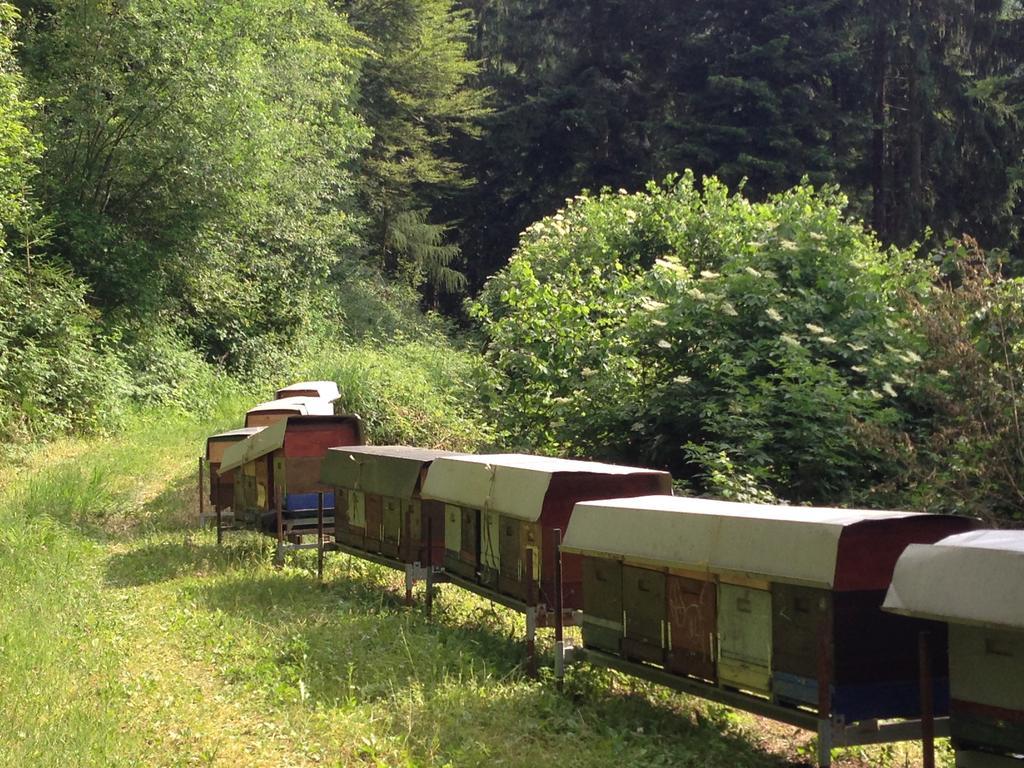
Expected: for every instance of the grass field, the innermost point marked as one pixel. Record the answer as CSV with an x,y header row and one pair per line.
x,y
127,638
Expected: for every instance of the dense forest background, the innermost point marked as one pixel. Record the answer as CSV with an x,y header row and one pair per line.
x,y
772,246
911,107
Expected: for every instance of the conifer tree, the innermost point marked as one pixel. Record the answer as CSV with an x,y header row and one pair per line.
x,y
416,96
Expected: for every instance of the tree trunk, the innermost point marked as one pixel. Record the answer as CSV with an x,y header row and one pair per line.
x,y
912,223
880,75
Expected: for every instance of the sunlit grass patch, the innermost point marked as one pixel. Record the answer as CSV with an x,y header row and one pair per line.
x,y
129,638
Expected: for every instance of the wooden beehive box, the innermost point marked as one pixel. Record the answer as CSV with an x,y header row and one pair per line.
x,y
381,486
502,511
221,490
278,468
269,413
767,599
323,390
975,583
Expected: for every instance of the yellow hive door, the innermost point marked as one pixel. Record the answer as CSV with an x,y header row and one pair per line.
x,y
453,528
530,542
357,509
745,637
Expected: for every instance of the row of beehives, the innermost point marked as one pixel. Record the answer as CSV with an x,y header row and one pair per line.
x,y
782,603
267,473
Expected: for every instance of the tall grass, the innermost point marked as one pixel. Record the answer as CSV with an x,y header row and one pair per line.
x,y
422,392
61,699
128,638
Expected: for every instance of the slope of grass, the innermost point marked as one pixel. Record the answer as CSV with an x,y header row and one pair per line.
x,y
418,392
128,638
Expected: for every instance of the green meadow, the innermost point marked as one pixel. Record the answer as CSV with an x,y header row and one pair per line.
x,y
128,638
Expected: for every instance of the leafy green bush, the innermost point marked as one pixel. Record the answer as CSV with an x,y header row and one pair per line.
x,y
53,375
423,392
164,369
684,325
965,450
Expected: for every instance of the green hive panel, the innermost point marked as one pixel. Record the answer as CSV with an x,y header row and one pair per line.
x,y
602,604
643,598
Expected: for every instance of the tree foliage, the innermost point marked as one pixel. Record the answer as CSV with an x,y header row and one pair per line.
x,y
416,94
53,375
947,143
199,155
965,450
257,182
912,108
187,176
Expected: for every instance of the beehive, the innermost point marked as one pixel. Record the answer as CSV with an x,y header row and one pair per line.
x,y
269,413
383,484
973,582
502,511
278,468
323,390
766,599
221,488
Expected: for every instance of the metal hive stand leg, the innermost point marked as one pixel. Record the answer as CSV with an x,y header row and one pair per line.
x,y
531,617
320,537
531,641
824,743
559,617
404,546
429,598
279,555
924,659
217,509
202,513
824,694
410,580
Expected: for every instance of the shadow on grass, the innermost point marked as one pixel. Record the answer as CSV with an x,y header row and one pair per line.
x,y
454,684
166,560
358,635
592,724
176,507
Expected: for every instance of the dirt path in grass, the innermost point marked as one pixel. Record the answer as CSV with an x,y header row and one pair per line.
x,y
139,642
203,689
188,714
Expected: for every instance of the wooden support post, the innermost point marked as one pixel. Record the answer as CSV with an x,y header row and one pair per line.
x,y
279,557
429,601
927,701
320,537
824,743
825,692
201,520
409,581
217,507
407,552
406,544
531,616
559,628
531,641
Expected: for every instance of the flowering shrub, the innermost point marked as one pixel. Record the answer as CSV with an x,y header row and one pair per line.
x,y
685,325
